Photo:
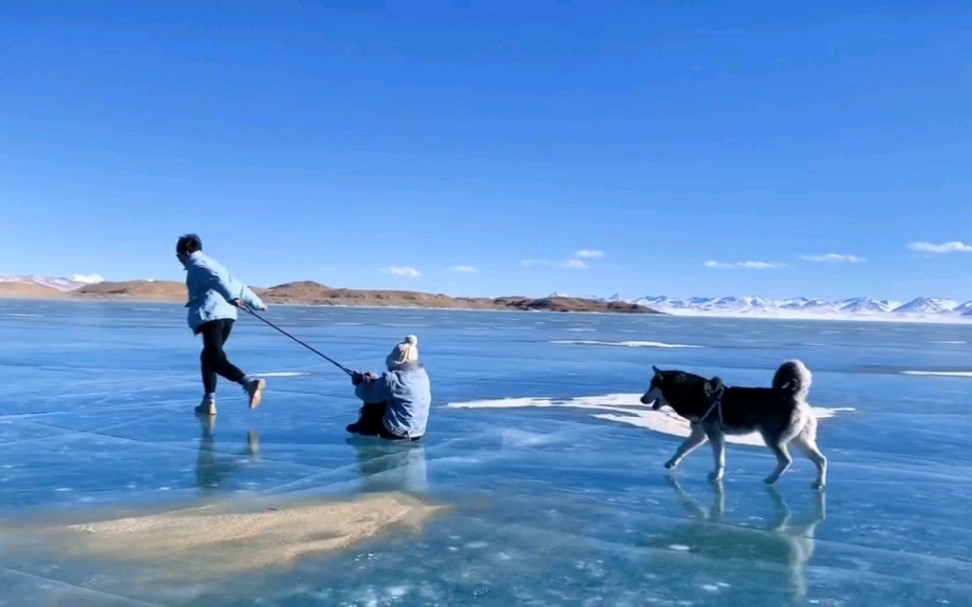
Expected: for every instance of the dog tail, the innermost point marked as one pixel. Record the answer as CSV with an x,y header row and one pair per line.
x,y
794,376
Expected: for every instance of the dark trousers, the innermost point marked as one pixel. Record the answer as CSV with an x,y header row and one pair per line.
x,y
370,422
213,358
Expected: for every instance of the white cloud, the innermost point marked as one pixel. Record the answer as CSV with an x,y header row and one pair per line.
x,y
833,258
590,254
465,269
751,265
941,248
570,264
406,271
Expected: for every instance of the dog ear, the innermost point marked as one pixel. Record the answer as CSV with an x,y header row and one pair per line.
x,y
713,387
656,370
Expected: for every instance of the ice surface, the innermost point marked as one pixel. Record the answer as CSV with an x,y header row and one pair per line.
x,y
562,504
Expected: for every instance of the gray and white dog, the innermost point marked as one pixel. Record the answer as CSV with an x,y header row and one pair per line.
x,y
779,413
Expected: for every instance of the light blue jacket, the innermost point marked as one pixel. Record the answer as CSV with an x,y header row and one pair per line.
x,y
408,392
211,289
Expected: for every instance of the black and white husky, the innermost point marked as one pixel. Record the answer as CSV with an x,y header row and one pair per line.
x,y
779,413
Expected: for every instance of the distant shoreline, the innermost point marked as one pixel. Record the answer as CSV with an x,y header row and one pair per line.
x,y
309,293
343,306
124,300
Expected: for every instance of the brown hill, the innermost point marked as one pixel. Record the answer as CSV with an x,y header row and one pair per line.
x,y
137,290
300,291
570,304
23,290
314,293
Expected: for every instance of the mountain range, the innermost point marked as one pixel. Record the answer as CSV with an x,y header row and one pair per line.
x,y
296,293
806,307
308,292
63,284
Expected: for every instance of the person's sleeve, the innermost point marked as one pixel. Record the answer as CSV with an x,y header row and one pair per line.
x,y
374,391
252,299
217,281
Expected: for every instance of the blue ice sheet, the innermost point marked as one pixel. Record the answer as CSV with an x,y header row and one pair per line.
x,y
548,506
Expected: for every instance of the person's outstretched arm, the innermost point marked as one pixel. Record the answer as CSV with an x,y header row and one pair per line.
x,y
251,299
372,390
228,286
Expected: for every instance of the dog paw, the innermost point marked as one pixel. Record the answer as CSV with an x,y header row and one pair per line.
x,y
771,479
818,485
671,464
715,477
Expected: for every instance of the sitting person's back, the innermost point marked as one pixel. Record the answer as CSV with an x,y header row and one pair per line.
x,y
396,403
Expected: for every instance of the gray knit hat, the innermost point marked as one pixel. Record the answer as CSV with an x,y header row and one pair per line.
x,y
405,352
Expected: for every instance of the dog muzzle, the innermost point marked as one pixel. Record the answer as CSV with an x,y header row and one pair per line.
x,y
653,398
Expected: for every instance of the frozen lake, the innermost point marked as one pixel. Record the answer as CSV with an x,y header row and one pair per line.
x,y
557,498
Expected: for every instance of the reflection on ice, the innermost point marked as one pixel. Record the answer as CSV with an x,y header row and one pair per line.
x,y
390,466
211,466
781,541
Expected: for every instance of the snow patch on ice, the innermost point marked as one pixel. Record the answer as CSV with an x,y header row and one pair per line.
x,y
626,344
282,374
627,409
939,373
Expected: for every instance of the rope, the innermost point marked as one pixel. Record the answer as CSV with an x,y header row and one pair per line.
x,y
311,348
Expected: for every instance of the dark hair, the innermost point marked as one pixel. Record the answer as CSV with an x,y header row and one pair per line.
x,y
188,244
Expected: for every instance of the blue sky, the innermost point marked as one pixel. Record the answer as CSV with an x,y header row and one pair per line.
x,y
339,141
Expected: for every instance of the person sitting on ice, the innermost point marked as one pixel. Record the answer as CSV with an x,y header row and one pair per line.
x,y
396,403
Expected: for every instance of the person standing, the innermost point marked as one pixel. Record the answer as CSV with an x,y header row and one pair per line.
x,y
214,298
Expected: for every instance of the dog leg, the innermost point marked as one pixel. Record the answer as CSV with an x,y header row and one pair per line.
x,y
783,460
805,442
695,440
718,455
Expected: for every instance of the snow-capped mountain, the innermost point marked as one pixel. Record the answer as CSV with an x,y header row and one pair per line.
x,y
820,306
69,283
866,305
806,307
927,305
963,309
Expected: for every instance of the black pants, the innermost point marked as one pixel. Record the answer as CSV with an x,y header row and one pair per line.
x,y
370,423
213,358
